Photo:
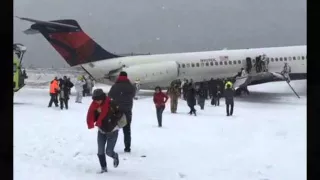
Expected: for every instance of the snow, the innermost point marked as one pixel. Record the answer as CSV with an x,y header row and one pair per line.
x,y
264,140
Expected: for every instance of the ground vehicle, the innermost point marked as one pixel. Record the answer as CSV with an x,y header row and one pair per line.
x,y
18,74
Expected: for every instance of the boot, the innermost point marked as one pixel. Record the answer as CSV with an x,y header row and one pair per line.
x,y
115,160
127,150
103,163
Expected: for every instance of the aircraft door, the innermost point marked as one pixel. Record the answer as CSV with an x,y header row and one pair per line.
x,y
248,64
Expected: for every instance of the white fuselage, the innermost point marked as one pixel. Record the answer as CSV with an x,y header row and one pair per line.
x,y
161,69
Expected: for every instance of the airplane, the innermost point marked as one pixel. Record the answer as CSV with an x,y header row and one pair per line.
x,y
78,49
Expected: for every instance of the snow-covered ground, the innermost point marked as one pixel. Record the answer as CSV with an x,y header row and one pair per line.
x,y
264,140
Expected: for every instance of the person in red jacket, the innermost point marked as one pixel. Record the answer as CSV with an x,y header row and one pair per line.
x,y
101,115
159,99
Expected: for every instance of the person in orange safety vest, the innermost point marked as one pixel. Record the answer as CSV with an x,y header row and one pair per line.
x,y
54,89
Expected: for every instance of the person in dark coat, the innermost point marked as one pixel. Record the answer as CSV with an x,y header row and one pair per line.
x,y
159,99
218,95
63,94
123,92
191,99
202,95
206,88
68,84
211,87
103,114
85,87
228,95
185,89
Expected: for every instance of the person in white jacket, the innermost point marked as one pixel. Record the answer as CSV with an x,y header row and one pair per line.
x,y
79,88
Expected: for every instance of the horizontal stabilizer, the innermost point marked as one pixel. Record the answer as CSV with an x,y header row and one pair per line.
x,y
31,31
49,23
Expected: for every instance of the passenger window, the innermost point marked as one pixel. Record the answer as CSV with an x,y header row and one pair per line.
x,y
183,65
188,65
216,63
234,62
272,59
285,58
302,57
207,64
230,62
294,58
197,64
211,63
192,64
298,57
276,59
289,58
225,63
221,63
202,64
239,61
281,59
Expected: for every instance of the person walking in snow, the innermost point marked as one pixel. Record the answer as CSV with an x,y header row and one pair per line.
x,y
137,86
105,114
54,88
159,99
185,89
63,94
191,99
79,89
123,92
174,94
228,95
202,95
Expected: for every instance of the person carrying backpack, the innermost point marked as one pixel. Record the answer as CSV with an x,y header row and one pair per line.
x,y
105,114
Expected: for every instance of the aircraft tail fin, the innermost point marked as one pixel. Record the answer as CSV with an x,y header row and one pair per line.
x,y
69,40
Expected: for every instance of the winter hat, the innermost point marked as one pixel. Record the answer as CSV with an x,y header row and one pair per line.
x,y
98,94
123,73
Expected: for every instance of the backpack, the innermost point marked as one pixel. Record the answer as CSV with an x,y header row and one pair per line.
x,y
114,112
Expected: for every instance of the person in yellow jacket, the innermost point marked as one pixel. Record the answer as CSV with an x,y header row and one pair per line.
x,y
54,89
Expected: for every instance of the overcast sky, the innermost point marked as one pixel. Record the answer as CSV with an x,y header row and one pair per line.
x,y
165,26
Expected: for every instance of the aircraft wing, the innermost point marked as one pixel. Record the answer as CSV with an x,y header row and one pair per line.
x,y
258,78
